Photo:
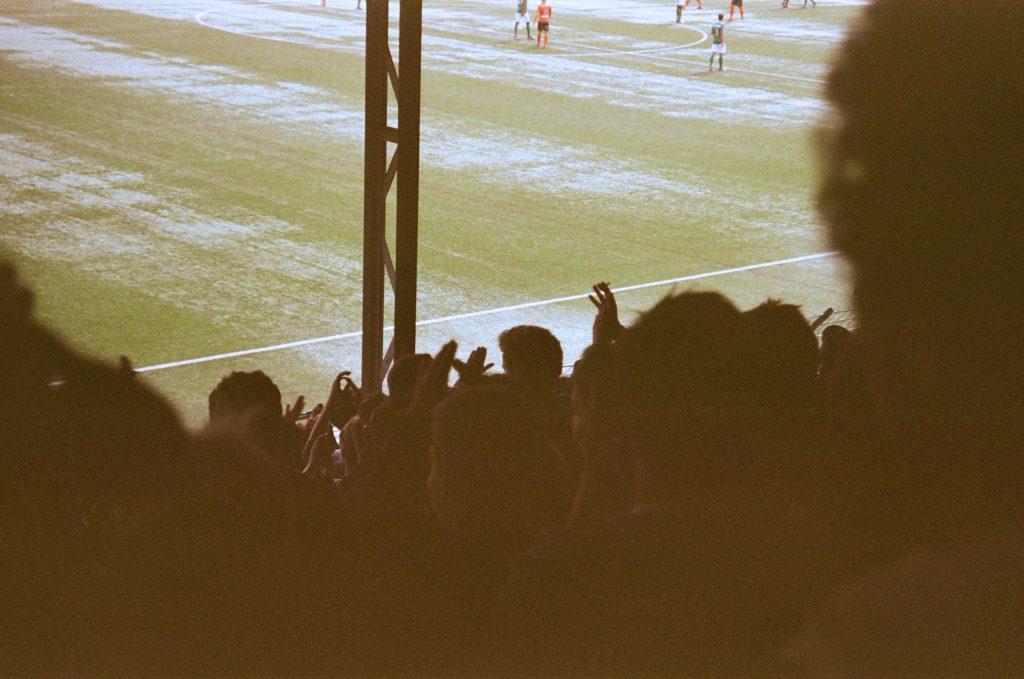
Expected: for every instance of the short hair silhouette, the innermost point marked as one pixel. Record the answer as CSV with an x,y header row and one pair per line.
x,y
243,392
250,403
532,355
922,191
680,386
493,472
786,352
835,344
922,194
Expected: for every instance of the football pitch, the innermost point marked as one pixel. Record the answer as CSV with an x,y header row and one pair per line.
x,y
181,180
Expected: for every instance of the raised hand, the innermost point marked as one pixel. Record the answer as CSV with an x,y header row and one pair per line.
x,y
825,315
292,412
607,327
343,401
312,419
320,455
432,381
474,368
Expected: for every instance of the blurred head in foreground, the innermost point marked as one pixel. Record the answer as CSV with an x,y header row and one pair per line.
x,y
922,193
922,189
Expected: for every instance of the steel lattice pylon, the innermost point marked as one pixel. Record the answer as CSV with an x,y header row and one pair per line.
x,y
378,175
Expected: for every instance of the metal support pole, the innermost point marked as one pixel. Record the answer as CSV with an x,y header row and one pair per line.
x,y
374,193
407,209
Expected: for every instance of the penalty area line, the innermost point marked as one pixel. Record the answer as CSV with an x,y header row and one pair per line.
x,y
486,312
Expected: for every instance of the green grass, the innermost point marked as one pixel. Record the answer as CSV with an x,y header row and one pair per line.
x,y
174,191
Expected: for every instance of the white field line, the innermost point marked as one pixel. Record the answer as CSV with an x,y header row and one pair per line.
x,y
487,312
202,15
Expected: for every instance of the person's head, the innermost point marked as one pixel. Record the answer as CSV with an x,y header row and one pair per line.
x,y
922,195
835,343
402,379
675,393
531,355
492,473
249,403
922,181
241,393
787,353
721,16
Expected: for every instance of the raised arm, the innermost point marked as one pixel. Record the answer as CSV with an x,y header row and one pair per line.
x,y
607,327
342,403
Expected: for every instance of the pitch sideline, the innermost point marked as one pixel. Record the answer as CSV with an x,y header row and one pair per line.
x,y
486,312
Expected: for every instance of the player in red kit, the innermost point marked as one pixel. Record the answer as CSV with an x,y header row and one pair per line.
x,y
543,17
732,9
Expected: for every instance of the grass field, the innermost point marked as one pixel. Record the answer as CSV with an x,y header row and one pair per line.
x,y
183,178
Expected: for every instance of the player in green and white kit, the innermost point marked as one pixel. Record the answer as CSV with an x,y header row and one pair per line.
x,y
717,43
523,17
683,4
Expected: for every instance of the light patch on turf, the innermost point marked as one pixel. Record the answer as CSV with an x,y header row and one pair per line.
x,y
306,21
493,152
133,237
786,29
462,42
117,65
697,97
501,156
184,10
327,30
788,67
154,239
126,229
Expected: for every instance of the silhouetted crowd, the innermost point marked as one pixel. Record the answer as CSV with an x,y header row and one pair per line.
x,y
712,493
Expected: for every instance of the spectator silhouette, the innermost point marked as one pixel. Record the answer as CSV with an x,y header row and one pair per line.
x,y
494,480
835,347
928,212
494,484
787,360
250,402
922,195
701,576
532,357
